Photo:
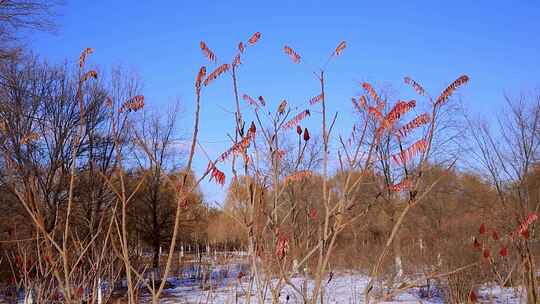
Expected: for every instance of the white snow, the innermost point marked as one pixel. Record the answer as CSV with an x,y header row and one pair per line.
x,y
345,288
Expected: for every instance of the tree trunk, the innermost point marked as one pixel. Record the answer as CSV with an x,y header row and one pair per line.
x,y
397,257
530,278
156,245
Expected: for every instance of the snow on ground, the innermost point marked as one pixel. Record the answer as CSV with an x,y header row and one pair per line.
x,y
344,288
220,285
496,294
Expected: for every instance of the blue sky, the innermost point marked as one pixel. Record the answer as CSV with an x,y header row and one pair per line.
x,y
496,43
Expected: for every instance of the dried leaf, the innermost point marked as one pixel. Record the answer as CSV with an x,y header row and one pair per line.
x,y
133,104
241,146
216,174
443,98
215,74
88,75
297,176
292,54
29,138
373,111
282,246
250,100
262,101
404,185
400,108
200,76
523,228
313,213
84,55
407,154
316,99
254,38
282,106
306,134
296,120
420,120
236,61
417,87
373,94
482,229
341,46
207,52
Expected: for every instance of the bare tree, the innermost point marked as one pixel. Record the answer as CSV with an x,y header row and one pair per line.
x,y
18,15
510,157
153,206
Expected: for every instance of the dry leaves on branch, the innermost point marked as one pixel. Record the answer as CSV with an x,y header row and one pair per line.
x,y
417,87
409,153
133,104
295,57
215,73
296,120
420,120
207,52
443,98
254,38
316,99
84,55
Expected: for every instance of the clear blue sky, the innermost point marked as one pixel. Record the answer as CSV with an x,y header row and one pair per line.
x,y
496,43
